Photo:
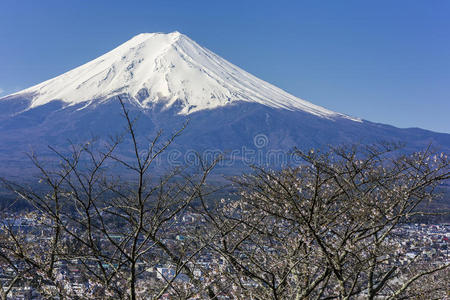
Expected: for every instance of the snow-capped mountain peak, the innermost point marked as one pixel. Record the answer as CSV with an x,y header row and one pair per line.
x,y
229,110
168,68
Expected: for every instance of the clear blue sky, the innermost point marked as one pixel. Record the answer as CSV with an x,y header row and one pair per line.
x,y
384,61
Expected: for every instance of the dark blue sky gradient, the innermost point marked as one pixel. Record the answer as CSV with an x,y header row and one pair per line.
x,y
385,61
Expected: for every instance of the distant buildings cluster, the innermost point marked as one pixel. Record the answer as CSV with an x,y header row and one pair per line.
x,y
429,242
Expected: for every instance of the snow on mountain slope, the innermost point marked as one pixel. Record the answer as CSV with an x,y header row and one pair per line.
x,y
154,67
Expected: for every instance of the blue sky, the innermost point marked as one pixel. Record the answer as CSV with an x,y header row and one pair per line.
x,y
384,61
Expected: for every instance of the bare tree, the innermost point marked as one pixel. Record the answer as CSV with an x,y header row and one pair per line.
x,y
330,228
117,230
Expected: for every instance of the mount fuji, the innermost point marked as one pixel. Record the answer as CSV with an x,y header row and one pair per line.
x,y
166,79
